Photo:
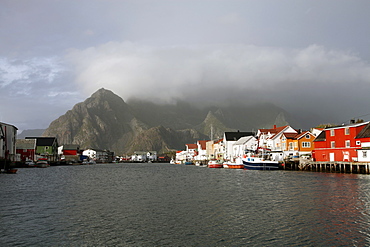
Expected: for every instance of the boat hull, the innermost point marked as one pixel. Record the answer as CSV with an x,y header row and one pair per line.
x,y
233,166
252,164
215,166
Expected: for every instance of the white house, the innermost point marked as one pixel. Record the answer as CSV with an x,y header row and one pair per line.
x,y
244,144
229,139
271,138
151,156
201,151
181,156
91,153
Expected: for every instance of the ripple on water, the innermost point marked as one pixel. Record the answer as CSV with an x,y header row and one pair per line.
x,y
162,204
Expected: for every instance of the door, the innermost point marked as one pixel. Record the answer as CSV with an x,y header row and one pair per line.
x,y
331,155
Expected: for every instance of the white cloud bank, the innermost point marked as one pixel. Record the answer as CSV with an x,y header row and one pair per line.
x,y
311,77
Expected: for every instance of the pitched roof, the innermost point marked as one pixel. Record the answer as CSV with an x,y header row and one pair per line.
x,y
234,136
71,147
243,140
321,137
43,141
299,136
273,130
364,133
192,146
26,144
290,135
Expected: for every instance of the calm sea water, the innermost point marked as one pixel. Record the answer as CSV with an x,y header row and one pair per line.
x,y
177,205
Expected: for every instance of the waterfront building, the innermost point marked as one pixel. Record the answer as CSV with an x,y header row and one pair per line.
x,y
297,144
69,152
8,135
342,143
243,145
46,147
26,149
201,150
271,138
229,140
363,153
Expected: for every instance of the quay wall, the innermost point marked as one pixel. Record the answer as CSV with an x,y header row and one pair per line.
x,y
329,166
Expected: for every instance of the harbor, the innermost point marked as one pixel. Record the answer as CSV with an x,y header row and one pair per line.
x,y
160,204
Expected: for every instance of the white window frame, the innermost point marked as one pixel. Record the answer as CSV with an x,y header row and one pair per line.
x,y
348,143
306,144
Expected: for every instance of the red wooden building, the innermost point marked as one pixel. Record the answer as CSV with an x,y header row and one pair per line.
x,y
26,148
339,143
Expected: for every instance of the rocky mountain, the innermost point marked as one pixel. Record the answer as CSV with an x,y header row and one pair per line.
x,y
106,121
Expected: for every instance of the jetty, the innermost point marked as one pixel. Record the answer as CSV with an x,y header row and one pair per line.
x,y
329,166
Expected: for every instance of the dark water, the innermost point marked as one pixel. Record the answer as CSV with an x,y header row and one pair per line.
x,y
177,205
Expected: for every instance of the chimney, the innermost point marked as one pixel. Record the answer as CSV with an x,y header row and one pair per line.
x,y
352,121
274,126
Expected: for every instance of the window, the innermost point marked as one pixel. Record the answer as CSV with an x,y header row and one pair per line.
x,y
364,154
358,143
348,143
346,131
332,144
306,144
291,146
307,136
332,133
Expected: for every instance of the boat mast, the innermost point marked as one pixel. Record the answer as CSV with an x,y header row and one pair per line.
x,y
211,132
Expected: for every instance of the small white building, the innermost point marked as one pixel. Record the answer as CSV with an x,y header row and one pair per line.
x,y
244,144
229,139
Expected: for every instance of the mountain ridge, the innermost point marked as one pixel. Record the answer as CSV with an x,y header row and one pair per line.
x,y
106,121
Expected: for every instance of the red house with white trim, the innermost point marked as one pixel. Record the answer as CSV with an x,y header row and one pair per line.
x,y
338,143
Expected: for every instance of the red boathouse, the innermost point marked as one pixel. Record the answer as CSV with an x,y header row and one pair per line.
x,y
339,143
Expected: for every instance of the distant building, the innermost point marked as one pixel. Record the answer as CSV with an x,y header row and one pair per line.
x,y
46,147
8,134
26,149
100,156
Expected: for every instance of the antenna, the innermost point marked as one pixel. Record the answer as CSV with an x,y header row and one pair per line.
x,y
211,132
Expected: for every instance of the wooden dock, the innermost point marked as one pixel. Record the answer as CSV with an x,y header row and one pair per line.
x,y
334,166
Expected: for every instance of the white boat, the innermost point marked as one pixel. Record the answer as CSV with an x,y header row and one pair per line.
x,y
214,164
42,163
237,164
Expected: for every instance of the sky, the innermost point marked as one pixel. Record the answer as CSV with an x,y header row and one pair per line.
x,y
312,58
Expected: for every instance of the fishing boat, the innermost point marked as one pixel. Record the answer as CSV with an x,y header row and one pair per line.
x,y
42,163
232,165
189,163
259,163
214,164
237,164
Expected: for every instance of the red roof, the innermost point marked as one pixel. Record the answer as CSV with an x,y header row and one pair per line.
x,y
192,146
291,135
202,144
274,130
